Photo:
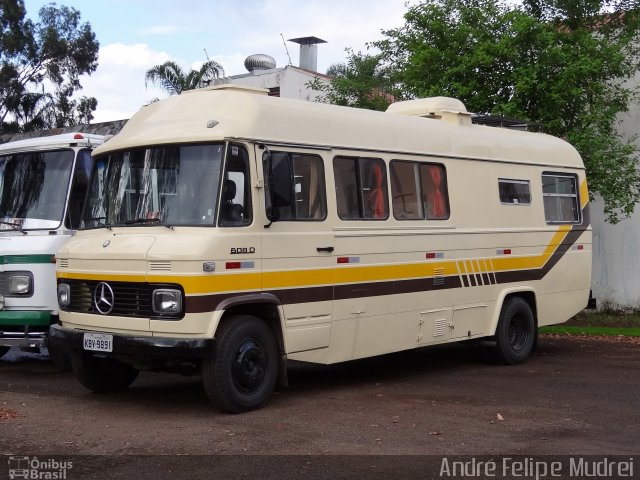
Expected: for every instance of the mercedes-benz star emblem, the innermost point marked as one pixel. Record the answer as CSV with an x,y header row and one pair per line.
x,y
103,298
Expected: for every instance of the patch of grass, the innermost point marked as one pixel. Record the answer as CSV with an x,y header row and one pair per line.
x,y
612,319
591,330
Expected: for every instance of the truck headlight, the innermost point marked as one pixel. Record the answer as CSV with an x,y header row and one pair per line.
x,y
19,284
64,294
167,301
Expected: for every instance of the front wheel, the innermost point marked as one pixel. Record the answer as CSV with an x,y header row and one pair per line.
x,y
60,358
516,332
242,373
102,375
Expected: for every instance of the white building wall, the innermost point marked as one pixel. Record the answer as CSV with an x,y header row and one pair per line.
x,y
615,279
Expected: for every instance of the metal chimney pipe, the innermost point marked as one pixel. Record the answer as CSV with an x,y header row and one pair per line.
x,y
308,52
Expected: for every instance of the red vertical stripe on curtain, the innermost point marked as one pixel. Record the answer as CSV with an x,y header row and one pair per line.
x,y
376,197
435,197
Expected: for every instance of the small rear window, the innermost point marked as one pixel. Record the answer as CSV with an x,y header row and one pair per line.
x,y
514,192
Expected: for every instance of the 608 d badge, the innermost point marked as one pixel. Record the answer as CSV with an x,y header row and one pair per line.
x,y
241,250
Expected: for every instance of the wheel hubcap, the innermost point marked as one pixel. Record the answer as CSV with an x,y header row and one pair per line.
x,y
249,366
518,334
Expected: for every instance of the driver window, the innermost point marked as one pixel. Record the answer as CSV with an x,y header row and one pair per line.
x,y
235,199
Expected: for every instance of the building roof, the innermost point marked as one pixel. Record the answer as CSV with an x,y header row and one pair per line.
x,y
103,128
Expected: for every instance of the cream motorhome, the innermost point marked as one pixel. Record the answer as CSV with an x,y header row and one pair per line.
x,y
226,231
43,182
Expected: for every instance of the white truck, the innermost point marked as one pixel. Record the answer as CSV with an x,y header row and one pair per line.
x,y
43,182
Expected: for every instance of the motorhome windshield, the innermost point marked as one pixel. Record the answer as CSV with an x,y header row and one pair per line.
x,y
33,189
169,185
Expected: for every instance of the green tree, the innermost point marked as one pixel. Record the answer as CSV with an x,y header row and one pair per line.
x,y
174,80
563,63
58,49
360,82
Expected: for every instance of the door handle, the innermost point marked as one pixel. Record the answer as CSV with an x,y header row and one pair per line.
x,y
325,249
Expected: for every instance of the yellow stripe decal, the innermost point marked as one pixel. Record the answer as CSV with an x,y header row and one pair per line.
x,y
584,194
347,274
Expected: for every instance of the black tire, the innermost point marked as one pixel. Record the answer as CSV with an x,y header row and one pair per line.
x,y
102,375
516,332
242,373
60,358
3,351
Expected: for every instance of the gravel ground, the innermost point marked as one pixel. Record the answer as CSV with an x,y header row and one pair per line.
x,y
575,396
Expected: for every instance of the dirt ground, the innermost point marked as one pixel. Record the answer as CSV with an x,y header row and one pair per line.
x,y
576,395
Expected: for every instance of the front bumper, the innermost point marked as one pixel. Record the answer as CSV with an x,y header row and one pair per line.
x,y
131,346
24,328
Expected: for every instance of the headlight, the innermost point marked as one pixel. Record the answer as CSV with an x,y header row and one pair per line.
x,y
64,294
167,301
19,284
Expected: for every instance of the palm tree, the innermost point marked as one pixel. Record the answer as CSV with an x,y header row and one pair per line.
x,y
171,78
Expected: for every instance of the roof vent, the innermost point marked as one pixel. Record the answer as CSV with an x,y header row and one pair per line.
x,y
259,61
445,108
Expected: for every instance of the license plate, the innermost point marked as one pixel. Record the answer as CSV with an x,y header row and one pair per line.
x,y
98,342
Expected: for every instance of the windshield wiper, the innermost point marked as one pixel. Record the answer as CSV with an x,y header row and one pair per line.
x,y
142,221
15,226
100,221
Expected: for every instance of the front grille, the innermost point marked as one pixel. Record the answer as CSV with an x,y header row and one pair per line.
x,y
131,299
4,283
22,331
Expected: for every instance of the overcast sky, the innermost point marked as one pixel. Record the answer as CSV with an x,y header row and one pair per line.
x,y
134,35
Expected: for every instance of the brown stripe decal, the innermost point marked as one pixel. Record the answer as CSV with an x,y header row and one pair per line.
x,y
394,287
209,303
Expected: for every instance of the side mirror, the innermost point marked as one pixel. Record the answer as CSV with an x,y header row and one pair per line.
x,y
279,182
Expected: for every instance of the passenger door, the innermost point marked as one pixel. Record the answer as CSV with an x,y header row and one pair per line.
x,y
297,248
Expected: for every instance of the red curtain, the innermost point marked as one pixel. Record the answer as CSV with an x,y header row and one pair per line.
x,y
376,196
435,198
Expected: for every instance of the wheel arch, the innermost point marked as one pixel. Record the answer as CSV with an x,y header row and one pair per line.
x,y
527,293
267,308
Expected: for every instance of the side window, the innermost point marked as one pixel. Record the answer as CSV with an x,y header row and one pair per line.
x,y
560,194
514,192
79,186
309,193
361,188
235,201
419,191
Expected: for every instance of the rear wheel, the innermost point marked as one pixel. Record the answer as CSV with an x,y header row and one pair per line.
x,y
4,350
242,373
102,374
516,332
